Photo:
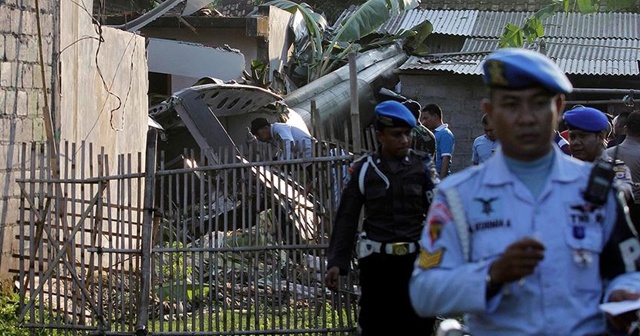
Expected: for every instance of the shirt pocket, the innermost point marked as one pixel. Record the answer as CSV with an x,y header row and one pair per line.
x,y
376,203
585,244
412,192
375,192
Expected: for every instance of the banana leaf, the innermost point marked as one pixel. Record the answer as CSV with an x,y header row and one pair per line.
x,y
365,20
368,17
586,6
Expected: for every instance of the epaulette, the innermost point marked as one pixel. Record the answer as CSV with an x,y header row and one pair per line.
x,y
454,180
363,164
362,157
355,165
418,152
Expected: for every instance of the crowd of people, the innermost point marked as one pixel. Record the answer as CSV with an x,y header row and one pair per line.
x,y
530,239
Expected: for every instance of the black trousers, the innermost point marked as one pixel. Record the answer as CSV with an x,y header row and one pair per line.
x,y
385,308
634,213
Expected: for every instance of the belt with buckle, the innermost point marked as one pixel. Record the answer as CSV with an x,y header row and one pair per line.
x,y
400,248
397,249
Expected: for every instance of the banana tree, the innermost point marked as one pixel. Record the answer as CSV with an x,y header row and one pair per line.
x,y
532,29
321,51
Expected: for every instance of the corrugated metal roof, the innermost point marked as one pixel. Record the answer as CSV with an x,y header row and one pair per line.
x,y
459,22
475,23
491,24
576,56
596,25
591,44
463,65
592,49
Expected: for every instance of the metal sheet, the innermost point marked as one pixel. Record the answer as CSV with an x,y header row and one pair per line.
x,y
194,60
608,57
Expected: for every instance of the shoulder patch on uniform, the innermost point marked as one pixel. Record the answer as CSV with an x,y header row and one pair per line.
x,y
440,215
435,229
428,260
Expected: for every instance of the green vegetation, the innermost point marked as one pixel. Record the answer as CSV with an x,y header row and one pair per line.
x,y
326,49
514,36
9,314
260,318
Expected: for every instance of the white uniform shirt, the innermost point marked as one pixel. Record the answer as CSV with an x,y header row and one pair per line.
x,y
296,140
563,294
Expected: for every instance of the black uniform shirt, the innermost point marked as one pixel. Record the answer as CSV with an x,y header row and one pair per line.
x,y
395,205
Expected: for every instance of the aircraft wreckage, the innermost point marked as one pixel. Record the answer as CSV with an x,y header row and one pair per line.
x,y
207,118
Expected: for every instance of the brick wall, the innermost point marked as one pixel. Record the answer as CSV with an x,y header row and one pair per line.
x,y
21,101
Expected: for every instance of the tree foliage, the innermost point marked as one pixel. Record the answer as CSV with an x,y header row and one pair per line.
x,y
514,36
326,49
332,8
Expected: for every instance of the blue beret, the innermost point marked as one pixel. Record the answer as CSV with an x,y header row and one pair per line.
x,y
391,113
517,68
586,118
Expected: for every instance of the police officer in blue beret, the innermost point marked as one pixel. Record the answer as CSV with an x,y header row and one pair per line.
x,y
589,129
513,243
395,186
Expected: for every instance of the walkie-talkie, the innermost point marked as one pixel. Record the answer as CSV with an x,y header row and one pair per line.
x,y
600,181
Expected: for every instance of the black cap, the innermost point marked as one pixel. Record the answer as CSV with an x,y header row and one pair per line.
x,y
257,124
413,106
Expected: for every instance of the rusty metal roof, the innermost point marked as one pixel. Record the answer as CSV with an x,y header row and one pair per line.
x,y
577,56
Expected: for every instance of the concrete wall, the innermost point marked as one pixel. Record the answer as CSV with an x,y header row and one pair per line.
x,y
103,98
459,97
279,42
